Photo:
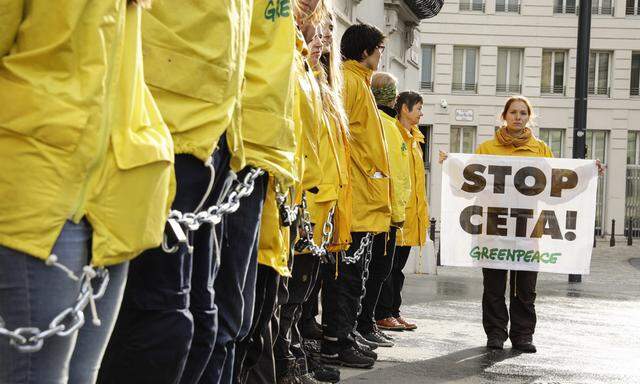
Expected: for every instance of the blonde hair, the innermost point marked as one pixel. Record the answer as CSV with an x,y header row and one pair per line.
x,y
330,78
315,17
142,3
527,103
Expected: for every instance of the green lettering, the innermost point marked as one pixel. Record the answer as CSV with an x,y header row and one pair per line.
x,y
527,256
284,8
536,257
485,250
519,254
492,253
475,253
554,257
544,257
511,254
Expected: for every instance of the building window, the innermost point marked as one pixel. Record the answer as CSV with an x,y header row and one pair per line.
x,y
465,64
472,5
597,149
564,6
508,6
509,70
554,139
632,196
462,139
599,73
426,80
632,7
552,79
635,74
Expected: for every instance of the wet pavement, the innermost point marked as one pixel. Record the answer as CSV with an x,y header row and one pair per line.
x,y
586,333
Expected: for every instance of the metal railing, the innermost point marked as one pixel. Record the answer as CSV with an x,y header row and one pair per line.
x,y
632,200
604,91
595,10
467,5
553,89
504,7
426,85
464,87
571,9
632,11
509,88
635,91
575,9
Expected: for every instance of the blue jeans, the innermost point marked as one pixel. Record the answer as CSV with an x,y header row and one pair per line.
x,y
32,294
235,284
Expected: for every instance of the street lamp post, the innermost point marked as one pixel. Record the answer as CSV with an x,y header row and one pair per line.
x,y
582,91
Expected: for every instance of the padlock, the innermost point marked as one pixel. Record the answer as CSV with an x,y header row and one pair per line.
x,y
285,216
301,245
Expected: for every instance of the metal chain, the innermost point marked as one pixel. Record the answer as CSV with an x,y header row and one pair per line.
x,y
31,339
212,215
365,275
288,214
307,241
364,243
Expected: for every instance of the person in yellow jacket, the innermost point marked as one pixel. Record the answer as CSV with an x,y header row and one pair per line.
x,y
270,142
195,74
414,231
384,87
361,47
85,178
513,138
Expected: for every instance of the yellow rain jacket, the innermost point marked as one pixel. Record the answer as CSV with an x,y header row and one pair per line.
x,y
334,175
533,148
343,213
399,165
369,160
414,231
80,135
194,57
267,118
267,100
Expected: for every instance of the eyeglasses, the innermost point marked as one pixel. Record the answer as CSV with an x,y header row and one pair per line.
x,y
381,47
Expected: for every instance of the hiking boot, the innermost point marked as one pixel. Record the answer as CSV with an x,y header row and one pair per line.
x,y
526,347
311,346
322,372
307,378
365,350
350,357
290,374
382,334
375,338
311,330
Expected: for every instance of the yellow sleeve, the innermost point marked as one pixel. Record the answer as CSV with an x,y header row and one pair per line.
x,y
10,18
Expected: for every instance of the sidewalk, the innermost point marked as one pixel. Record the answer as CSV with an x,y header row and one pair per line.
x,y
587,332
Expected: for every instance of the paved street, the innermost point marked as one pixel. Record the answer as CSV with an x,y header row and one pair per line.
x,y
586,333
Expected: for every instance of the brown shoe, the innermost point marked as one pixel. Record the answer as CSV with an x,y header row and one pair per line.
x,y
408,326
390,324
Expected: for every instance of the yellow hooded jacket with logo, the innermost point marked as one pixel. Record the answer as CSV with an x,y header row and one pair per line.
x,y
267,110
414,230
369,163
399,164
194,57
267,100
82,136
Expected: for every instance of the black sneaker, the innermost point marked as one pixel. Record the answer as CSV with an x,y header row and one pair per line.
x,y
375,338
495,344
526,347
360,339
365,350
320,371
350,357
382,334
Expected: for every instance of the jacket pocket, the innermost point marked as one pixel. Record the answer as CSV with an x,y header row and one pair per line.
x,y
379,193
27,111
144,139
185,75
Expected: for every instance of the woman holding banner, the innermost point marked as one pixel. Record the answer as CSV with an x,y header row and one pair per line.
x,y
514,138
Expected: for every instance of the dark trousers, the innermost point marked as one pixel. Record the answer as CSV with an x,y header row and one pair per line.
x,y
382,256
166,298
341,296
521,304
391,293
310,308
235,283
260,336
288,346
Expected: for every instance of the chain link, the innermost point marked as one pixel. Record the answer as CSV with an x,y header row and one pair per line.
x,y
31,339
307,242
192,221
365,275
364,243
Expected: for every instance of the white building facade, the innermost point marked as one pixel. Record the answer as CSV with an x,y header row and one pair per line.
x,y
476,53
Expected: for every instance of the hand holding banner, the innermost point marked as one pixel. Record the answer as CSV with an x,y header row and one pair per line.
x,y
518,213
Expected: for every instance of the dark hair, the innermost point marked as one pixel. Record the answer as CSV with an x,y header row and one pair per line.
x,y
408,98
358,38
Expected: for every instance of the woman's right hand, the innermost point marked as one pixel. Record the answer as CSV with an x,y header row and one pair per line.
x,y
442,156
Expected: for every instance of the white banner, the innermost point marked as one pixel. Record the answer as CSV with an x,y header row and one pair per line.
x,y
518,213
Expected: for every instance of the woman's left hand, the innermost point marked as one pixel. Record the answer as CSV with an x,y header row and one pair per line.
x,y
601,167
